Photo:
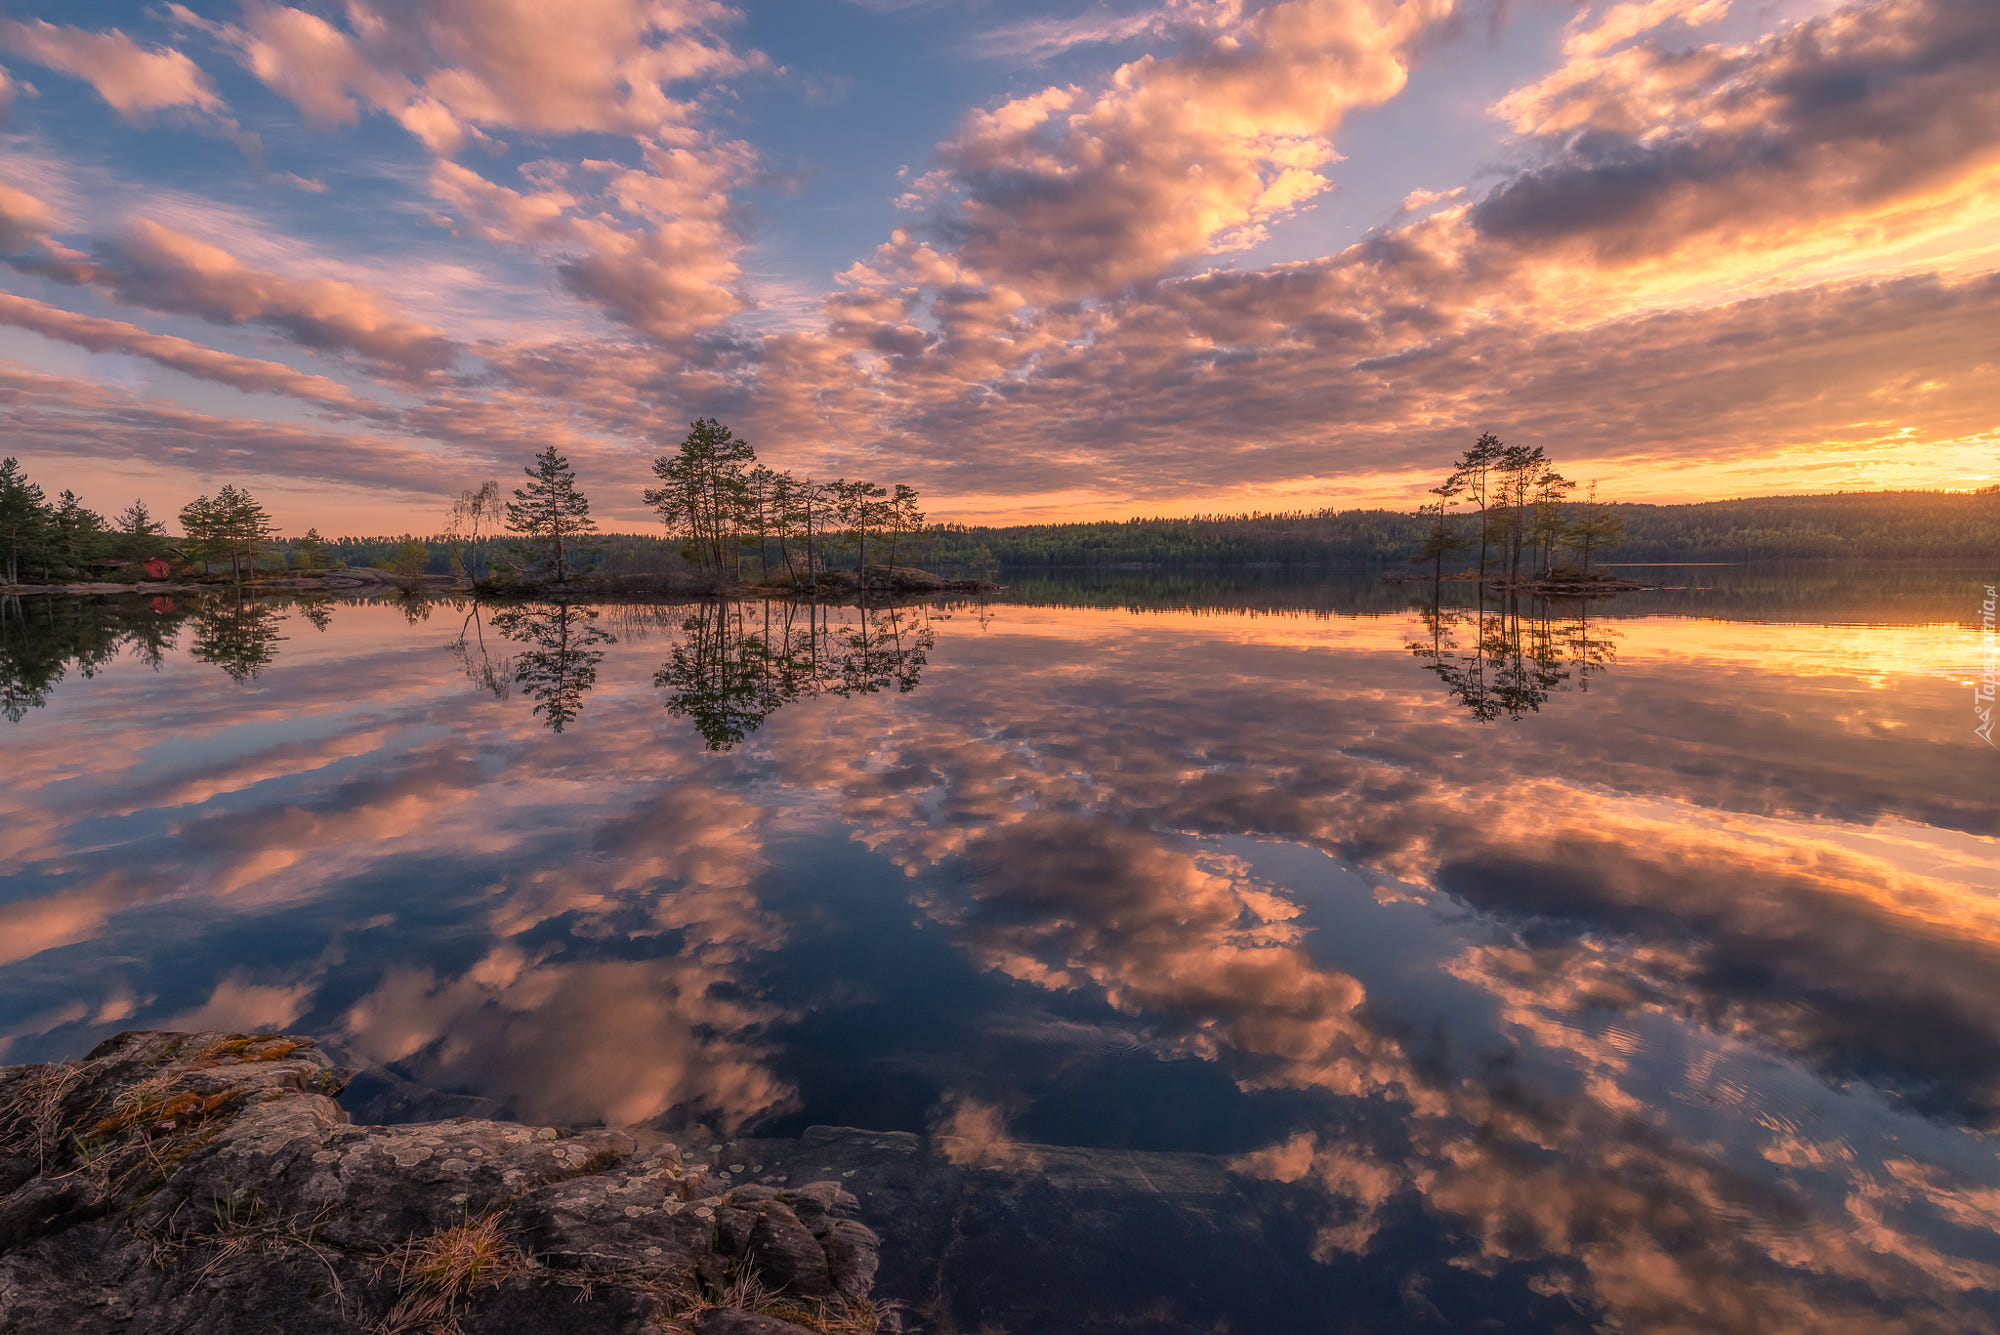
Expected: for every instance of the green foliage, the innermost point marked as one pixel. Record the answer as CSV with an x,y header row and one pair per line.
x,y
718,502
704,495
229,528
412,558
1897,525
1595,528
80,535
137,535
25,539
309,552
136,521
1315,539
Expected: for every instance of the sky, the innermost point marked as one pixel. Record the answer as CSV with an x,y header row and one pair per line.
x,y
1042,262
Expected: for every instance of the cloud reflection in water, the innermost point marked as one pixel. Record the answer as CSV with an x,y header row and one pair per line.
x,y
1677,999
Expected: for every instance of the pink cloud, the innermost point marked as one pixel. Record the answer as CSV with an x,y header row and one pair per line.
x,y
74,421
590,66
155,266
134,80
244,373
24,219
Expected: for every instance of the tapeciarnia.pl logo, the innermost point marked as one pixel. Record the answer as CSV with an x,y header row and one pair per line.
x,y
1989,663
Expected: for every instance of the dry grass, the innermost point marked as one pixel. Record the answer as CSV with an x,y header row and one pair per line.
x,y
436,1274
33,1116
745,1291
241,1229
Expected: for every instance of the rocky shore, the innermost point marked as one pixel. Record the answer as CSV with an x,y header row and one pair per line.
x,y
210,1183
876,583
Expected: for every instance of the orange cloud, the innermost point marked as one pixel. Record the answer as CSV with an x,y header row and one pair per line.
x,y
1065,193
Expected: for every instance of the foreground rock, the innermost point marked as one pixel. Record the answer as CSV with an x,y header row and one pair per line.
x,y
209,1182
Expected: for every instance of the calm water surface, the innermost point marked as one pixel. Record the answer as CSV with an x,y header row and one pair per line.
x,y
1634,967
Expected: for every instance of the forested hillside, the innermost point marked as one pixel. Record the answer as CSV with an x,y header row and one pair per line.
x,y
1894,524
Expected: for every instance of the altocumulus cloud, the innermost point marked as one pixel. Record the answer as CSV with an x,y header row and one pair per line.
x,y
1754,250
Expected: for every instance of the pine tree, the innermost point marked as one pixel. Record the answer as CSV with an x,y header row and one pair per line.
x,y
247,528
1475,468
136,521
550,513
1596,527
904,517
1441,541
24,524
704,489
79,532
232,527
137,532
201,528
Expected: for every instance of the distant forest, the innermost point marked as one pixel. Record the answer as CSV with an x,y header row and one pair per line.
x,y
1885,525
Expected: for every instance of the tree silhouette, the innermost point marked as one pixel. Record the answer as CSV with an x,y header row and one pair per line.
x,y
1475,468
550,514
704,491
477,509
1596,527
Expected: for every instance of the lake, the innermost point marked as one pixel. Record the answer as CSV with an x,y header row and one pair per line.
x,y
1259,953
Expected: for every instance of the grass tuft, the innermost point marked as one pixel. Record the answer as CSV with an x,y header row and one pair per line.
x,y
435,1275
745,1291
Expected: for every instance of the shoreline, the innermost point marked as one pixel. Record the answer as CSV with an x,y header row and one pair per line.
x,y
904,582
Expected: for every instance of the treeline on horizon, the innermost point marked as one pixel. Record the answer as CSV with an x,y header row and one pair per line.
x,y
44,539
1890,525
725,515
1879,524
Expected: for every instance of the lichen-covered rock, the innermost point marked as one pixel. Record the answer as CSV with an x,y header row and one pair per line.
x,y
739,1322
208,1182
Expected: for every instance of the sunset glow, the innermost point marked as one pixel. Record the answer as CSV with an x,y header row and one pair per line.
x,y
1192,256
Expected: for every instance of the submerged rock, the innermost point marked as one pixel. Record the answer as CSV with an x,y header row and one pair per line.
x,y
209,1182
881,581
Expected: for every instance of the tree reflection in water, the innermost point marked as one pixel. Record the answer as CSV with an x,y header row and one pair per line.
x,y
739,664
41,639
239,636
493,675
559,666
1507,654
